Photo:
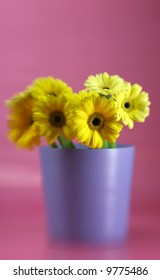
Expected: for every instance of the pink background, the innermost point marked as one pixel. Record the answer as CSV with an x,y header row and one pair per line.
x,y
70,40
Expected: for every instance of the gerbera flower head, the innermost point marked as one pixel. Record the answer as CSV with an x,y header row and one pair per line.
x,y
22,129
95,120
105,84
77,97
133,105
49,86
52,115
83,93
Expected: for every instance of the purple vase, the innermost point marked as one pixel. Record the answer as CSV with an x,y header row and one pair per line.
x,y
87,193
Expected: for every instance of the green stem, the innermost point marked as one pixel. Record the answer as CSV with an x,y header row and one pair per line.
x,y
65,143
105,144
54,145
61,142
112,145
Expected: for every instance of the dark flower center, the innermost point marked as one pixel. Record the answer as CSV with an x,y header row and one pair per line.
x,y
105,87
52,93
31,121
127,105
57,119
95,121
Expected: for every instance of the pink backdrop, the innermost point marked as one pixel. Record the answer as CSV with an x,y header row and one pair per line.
x,y
71,40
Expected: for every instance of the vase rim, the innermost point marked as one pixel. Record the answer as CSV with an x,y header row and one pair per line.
x,y
82,147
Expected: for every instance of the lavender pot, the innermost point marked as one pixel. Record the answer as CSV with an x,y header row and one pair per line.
x,y
87,193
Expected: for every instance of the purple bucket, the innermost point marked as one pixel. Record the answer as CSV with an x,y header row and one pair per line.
x,y
87,193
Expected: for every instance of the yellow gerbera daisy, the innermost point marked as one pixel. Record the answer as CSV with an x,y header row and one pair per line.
x,y
52,115
95,120
105,84
23,131
76,98
49,86
133,105
17,99
83,94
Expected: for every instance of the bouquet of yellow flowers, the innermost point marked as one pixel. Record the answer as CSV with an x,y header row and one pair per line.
x,y
94,116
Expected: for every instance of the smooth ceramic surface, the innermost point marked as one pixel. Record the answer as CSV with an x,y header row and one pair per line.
x,y
88,193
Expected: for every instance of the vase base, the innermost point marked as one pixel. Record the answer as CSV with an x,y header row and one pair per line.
x,y
73,241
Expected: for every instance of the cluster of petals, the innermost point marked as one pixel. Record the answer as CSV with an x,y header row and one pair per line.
x,y
49,108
